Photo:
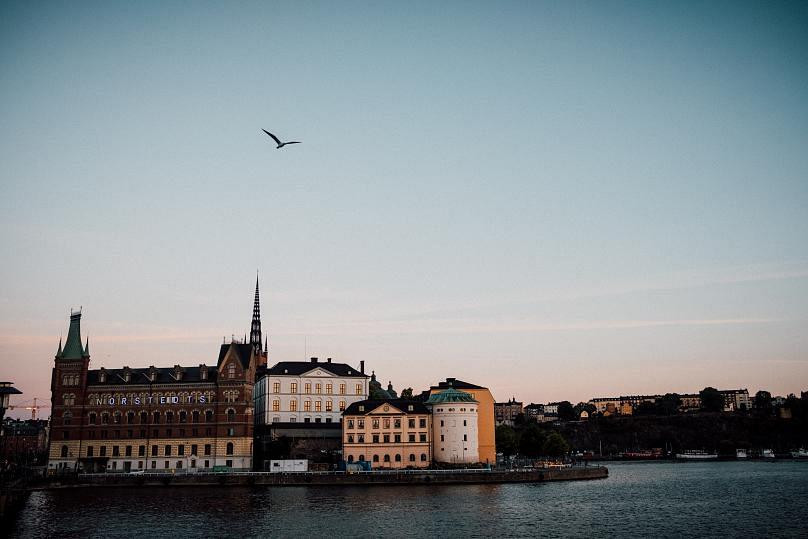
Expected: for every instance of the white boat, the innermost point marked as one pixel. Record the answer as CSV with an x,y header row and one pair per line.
x,y
740,454
767,454
696,455
800,454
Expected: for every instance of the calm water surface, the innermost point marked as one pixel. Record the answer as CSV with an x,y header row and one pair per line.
x,y
714,499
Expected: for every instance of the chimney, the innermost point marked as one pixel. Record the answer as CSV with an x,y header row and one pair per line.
x,y
314,360
362,366
328,360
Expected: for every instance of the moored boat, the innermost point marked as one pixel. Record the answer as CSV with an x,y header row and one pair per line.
x,y
767,454
800,454
740,454
696,455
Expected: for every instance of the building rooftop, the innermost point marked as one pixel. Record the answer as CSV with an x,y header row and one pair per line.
x,y
370,405
450,395
296,368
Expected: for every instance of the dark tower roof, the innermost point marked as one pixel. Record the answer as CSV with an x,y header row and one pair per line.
x,y
255,327
73,348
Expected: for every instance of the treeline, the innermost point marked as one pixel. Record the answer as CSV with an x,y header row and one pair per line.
x,y
530,440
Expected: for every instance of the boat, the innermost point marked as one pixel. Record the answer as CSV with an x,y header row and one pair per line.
x,y
696,455
800,454
767,454
740,454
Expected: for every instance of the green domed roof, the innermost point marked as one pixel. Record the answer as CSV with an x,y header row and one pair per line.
x,y
450,395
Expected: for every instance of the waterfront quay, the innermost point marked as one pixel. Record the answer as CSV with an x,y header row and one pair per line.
x,y
376,477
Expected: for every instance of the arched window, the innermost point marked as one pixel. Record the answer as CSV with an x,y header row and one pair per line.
x,y
105,418
209,416
398,458
156,418
144,418
69,399
361,458
231,415
350,458
229,448
91,418
169,417
423,457
195,416
117,417
67,418
387,458
412,457
375,458
183,416
64,451
130,417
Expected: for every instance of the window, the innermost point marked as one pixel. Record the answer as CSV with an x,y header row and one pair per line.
x,y
144,418
207,451
69,399
358,389
116,417
195,416
116,451
229,449
102,452
179,464
276,387
387,458
89,451
423,457
441,422
412,457
194,449
329,389
375,438
350,423
168,450
208,416
318,405
397,423
387,422
169,417
193,463
375,458
412,438
293,406
387,438
67,418
141,451
341,406
181,450
361,439
228,463
411,423
276,405
422,423
375,423
441,437
422,437
342,389
361,458
130,418
293,388
156,417
231,415
154,450
128,451
91,418
329,406
231,371
397,438
166,465
398,458
183,416
318,388
464,422
350,458
350,439
307,388
307,406
105,418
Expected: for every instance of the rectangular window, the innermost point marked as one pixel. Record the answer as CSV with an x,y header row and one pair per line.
x,y
141,451
194,449
128,452
293,406
398,438
193,463
465,438
276,387
329,406
375,423
464,423
168,450
319,388
276,406
228,463
350,423
375,438
411,423
397,423
103,451
154,450
207,452
360,438
441,437
329,388
387,438
318,406
358,389
307,406
293,388
166,465
116,451
422,423
361,423
341,406
412,438
307,388
387,422
422,437
350,438
181,450
89,451
342,389
207,464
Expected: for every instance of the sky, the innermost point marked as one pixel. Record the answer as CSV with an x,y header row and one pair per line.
x,y
556,200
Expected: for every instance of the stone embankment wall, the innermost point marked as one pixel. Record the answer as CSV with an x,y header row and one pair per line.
x,y
339,478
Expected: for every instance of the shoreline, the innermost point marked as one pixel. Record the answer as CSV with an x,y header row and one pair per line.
x,y
403,477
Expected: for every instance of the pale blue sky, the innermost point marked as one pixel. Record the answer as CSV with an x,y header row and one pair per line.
x,y
558,200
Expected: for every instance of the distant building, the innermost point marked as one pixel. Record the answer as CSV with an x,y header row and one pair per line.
x,y
506,412
7,389
690,402
736,399
389,433
534,412
24,441
454,427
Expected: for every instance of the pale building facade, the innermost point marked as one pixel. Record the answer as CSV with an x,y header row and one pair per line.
x,y
308,392
454,427
388,433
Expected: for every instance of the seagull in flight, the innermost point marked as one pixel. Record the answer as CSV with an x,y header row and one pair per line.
x,y
278,141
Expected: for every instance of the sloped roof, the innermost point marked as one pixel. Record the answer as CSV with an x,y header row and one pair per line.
x,y
165,375
296,368
450,395
371,404
457,384
243,352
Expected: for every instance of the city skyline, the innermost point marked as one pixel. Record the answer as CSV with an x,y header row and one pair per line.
x,y
557,201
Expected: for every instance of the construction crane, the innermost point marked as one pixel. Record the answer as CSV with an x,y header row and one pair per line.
x,y
33,407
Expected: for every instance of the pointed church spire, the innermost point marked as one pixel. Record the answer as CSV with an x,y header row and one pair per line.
x,y
255,327
59,351
73,348
87,347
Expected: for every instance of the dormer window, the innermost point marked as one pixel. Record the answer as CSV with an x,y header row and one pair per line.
x,y
102,375
410,408
361,408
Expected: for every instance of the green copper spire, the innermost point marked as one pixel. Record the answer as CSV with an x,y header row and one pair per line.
x,y
87,347
59,351
73,348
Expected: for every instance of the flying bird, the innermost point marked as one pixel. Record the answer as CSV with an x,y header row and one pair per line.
x,y
278,141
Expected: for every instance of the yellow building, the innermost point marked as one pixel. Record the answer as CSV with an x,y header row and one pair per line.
x,y
389,433
485,415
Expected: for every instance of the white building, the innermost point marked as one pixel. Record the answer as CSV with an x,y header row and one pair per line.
x,y
308,392
454,427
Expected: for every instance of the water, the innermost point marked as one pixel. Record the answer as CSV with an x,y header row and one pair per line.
x,y
704,499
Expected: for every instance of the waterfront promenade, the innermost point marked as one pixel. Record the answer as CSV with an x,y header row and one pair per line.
x,y
375,477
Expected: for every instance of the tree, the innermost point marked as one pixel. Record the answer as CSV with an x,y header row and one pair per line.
x,y
763,401
645,408
566,412
531,443
711,399
555,445
506,440
584,407
406,393
669,404
520,419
